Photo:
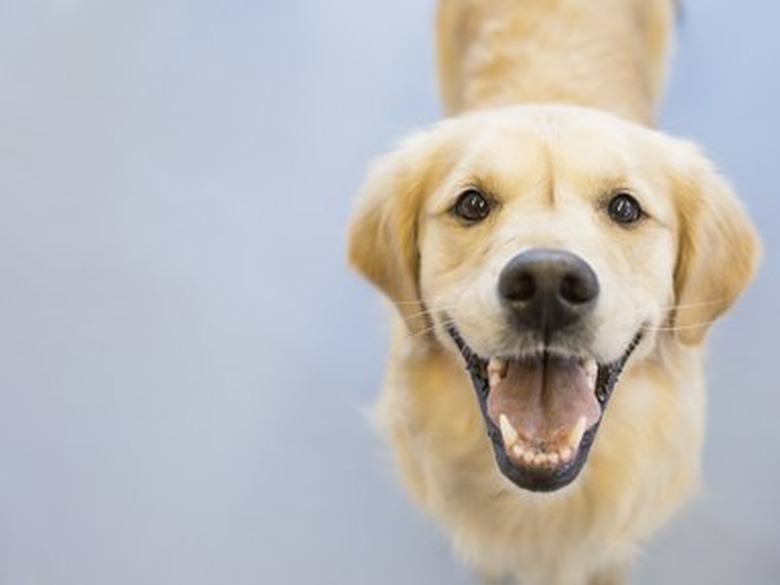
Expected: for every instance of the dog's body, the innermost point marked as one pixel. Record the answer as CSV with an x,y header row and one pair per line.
x,y
608,54
453,223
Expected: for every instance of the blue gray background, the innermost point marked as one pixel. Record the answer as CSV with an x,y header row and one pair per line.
x,y
184,355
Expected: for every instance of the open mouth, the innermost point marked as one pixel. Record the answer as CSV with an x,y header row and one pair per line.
x,y
542,411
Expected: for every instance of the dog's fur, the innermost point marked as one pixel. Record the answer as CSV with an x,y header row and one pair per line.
x,y
549,166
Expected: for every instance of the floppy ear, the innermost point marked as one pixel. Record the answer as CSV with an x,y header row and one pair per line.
x,y
719,247
383,235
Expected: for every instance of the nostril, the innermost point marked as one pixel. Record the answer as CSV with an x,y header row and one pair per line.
x,y
520,288
578,289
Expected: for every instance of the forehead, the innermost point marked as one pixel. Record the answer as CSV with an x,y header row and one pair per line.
x,y
551,145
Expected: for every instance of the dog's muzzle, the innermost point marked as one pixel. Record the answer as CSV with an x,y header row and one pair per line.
x,y
543,406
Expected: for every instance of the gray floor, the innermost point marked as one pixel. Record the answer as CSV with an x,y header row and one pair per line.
x,y
183,353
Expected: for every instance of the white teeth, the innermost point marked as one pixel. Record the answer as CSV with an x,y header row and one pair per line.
x,y
497,366
577,432
538,456
497,369
531,456
566,454
508,432
591,372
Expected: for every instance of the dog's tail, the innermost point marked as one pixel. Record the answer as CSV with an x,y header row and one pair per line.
x,y
467,29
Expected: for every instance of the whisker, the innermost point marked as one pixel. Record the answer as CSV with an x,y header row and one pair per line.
x,y
417,301
427,330
703,303
679,327
698,304
448,303
428,312
677,307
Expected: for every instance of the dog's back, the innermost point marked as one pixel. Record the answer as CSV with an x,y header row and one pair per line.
x,y
608,54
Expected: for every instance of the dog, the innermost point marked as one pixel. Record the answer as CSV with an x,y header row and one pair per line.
x,y
555,265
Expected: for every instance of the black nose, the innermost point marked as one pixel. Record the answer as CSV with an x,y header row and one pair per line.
x,y
547,290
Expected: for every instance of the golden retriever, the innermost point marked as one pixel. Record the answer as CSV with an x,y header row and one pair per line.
x,y
555,265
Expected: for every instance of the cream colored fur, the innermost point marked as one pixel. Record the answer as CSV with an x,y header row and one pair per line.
x,y
550,167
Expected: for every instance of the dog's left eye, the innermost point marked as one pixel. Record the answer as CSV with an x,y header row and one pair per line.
x,y
623,208
472,206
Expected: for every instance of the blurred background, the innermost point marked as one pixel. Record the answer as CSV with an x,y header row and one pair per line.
x,y
184,356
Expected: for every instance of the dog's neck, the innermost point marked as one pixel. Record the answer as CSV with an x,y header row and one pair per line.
x,y
567,54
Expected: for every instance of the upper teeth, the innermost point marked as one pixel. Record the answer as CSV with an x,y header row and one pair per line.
x,y
496,370
591,372
498,366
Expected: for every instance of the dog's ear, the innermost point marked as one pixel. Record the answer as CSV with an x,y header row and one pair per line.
x,y
719,249
383,235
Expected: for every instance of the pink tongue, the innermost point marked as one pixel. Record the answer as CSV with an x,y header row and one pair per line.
x,y
544,398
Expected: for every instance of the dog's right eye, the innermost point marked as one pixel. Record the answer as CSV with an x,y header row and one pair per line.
x,y
623,208
472,206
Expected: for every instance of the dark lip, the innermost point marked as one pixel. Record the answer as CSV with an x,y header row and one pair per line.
x,y
540,480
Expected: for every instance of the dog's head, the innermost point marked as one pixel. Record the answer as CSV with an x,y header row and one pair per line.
x,y
547,244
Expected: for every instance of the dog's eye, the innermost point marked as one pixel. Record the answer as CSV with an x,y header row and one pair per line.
x,y
472,206
623,208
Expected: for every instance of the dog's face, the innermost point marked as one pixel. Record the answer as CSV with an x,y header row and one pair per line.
x,y
547,245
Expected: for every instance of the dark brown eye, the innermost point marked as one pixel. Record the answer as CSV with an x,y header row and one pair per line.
x,y
472,206
623,208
